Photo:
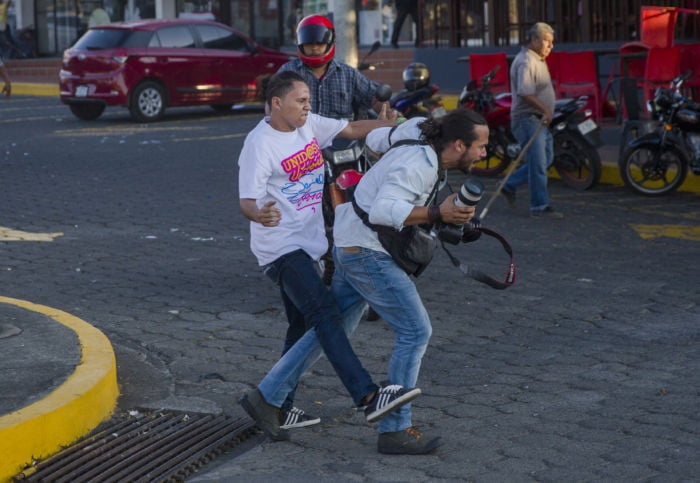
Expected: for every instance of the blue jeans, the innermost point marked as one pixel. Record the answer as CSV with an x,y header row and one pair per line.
x,y
305,295
373,276
537,159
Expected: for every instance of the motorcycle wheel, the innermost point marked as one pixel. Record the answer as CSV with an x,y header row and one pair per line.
x,y
576,161
652,171
497,159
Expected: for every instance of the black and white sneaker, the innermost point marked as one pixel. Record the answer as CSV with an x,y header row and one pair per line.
x,y
387,399
297,418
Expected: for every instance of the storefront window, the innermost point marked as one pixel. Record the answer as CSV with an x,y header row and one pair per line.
x,y
240,16
266,23
199,9
58,25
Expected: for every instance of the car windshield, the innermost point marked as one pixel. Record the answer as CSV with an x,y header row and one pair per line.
x,y
100,39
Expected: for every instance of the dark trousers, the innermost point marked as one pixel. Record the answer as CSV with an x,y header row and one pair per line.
x,y
309,304
404,8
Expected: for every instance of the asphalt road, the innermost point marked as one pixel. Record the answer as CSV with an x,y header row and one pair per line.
x,y
587,369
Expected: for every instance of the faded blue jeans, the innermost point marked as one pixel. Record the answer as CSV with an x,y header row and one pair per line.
x,y
305,295
374,277
537,159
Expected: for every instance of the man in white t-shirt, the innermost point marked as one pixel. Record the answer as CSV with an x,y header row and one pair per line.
x,y
281,176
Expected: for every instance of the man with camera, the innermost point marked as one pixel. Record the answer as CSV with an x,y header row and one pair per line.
x,y
397,193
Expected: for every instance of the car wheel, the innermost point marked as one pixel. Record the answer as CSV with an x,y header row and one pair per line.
x,y
147,102
87,111
223,108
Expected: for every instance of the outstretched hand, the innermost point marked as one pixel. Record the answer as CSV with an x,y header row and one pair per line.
x,y
387,113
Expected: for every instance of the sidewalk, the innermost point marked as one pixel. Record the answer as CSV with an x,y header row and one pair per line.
x,y
58,376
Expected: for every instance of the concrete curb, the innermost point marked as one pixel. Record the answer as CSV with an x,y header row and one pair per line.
x,y
35,89
83,401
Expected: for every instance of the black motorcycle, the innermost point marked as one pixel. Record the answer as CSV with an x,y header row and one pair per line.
x,y
575,133
576,139
657,163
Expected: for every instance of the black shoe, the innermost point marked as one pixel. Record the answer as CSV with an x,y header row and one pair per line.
x,y
297,418
388,398
265,415
548,212
408,441
509,196
395,45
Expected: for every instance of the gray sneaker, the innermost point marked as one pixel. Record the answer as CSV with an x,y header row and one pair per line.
x,y
509,196
408,441
266,416
548,212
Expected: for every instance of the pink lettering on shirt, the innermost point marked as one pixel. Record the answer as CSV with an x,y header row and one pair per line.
x,y
308,159
305,189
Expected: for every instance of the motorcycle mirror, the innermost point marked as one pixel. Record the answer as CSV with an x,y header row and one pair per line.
x,y
363,64
383,93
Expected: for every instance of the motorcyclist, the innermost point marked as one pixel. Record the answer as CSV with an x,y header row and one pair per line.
x,y
337,90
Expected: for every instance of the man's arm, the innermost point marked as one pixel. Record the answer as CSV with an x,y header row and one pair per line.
x,y
268,215
360,129
449,213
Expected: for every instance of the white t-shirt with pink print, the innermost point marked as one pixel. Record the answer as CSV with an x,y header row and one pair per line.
x,y
287,167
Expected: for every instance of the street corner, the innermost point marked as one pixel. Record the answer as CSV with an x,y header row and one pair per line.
x,y
86,398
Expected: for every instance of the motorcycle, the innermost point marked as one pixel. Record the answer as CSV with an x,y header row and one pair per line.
x,y
418,98
657,163
575,134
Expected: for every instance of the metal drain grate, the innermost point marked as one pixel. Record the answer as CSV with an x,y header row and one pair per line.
x,y
157,446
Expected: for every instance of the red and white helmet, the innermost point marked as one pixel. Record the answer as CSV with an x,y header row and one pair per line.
x,y
316,29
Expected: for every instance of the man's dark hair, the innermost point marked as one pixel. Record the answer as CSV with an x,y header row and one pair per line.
x,y
457,124
280,84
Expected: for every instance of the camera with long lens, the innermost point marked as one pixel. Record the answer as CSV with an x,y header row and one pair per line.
x,y
469,195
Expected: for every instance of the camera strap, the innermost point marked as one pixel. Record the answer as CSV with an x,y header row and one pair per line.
x,y
480,276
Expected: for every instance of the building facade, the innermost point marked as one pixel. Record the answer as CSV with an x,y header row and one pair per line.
x,y
47,27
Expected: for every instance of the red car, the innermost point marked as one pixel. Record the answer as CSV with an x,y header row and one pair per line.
x,y
148,65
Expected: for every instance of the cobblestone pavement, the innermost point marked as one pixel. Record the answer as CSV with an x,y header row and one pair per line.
x,y
587,369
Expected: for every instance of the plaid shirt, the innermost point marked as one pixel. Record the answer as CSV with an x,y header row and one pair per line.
x,y
340,93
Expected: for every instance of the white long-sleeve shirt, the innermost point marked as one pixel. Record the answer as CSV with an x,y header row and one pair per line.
x,y
401,180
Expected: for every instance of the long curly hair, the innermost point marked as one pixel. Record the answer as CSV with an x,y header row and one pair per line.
x,y
457,124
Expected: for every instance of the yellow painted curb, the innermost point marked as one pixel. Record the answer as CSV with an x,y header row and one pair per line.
x,y
83,401
35,89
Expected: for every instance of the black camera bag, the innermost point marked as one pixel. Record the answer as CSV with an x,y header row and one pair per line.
x,y
411,248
